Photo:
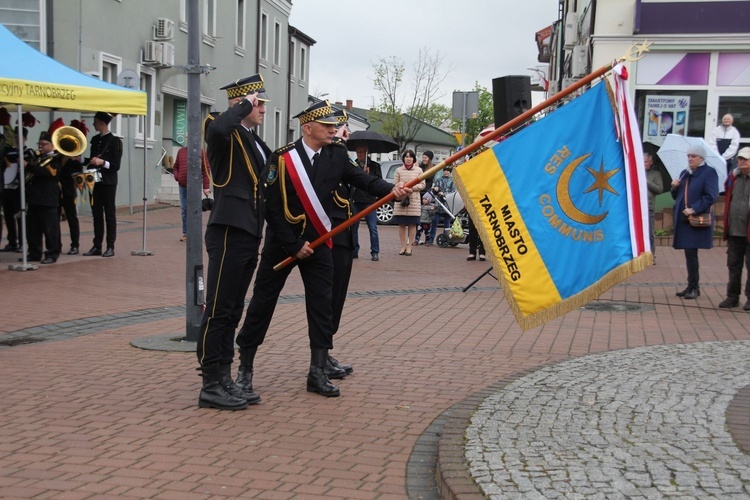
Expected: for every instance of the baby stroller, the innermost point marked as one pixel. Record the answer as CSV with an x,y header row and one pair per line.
x,y
447,238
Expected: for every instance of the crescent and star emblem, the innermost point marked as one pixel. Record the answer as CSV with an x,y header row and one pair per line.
x,y
601,184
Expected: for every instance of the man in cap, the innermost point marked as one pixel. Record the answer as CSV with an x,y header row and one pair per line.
x,y
737,229
236,156
43,198
106,153
301,181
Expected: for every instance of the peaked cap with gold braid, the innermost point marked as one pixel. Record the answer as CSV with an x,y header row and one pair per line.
x,y
245,86
320,112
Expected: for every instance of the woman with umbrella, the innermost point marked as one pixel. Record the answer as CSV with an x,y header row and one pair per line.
x,y
695,191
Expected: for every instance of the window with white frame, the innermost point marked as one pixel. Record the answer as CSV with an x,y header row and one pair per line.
x,y
209,21
239,40
277,44
110,68
302,64
278,127
293,59
263,36
148,85
183,16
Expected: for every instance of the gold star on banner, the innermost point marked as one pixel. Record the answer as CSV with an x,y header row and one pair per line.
x,y
601,181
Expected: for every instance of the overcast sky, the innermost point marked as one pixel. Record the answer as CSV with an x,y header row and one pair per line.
x,y
479,39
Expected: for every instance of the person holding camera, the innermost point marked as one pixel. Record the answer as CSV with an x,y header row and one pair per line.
x,y
406,213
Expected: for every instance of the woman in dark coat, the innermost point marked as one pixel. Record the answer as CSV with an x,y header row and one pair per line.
x,y
702,184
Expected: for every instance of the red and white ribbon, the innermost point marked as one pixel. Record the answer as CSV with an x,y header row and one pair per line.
x,y
635,171
306,193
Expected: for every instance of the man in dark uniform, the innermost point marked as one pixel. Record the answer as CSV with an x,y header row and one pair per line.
x,y
69,167
237,156
106,153
43,198
300,182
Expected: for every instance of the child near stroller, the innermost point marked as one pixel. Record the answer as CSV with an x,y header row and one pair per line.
x,y
425,218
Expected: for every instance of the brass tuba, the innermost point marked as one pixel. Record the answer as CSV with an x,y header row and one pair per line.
x,y
69,141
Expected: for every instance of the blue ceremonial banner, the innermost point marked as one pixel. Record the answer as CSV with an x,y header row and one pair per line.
x,y
552,204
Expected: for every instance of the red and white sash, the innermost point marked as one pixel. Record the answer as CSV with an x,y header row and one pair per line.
x,y
306,193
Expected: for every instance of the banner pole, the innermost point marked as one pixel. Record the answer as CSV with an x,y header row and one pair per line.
x,y
459,154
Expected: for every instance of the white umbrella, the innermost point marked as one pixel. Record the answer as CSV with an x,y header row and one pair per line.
x,y
674,155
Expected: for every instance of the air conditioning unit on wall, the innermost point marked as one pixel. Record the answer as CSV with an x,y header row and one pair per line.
x,y
164,29
167,52
570,32
152,53
579,61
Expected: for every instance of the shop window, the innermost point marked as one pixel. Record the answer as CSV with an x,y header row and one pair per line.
x,y
695,119
739,108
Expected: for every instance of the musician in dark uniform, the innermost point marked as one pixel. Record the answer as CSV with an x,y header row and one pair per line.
x,y
69,167
301,179
106,153
43,198
237,156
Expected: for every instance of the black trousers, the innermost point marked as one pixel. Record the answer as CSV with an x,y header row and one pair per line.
x,y
232,258
103,210
317,277
11,207
693,268
738,255
343,259
68,203
475,242
44,222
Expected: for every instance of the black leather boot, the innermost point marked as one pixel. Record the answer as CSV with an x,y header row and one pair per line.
x,y
683,292
347,368
235,389
245,372
213,392
317,381
332,371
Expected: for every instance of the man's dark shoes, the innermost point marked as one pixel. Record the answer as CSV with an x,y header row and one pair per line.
x,y
109,252
333,371
73,251
214,394
374,257
48,260
317,381
746,307
9,248
685,292
347,368
693,293
93,251
235,389
729,303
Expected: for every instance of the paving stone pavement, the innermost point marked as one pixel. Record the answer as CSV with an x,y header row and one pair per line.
x,y
640,423
84,414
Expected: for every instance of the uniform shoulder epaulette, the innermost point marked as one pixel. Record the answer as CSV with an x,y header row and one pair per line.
x,y
338,141
211,117
284,149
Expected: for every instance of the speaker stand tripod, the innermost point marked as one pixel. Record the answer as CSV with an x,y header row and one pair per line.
x,y
488,271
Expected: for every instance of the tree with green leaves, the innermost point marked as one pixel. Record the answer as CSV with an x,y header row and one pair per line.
x,y
402,111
